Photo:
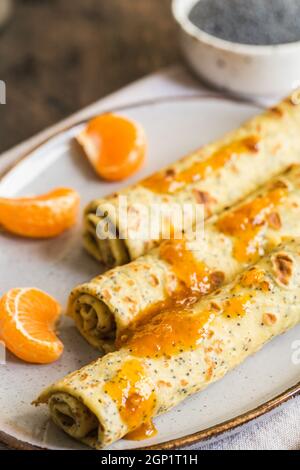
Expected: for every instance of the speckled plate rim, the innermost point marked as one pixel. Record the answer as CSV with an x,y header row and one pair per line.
x,y
206,434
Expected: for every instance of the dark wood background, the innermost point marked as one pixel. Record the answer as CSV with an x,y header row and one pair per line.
x,y
57,56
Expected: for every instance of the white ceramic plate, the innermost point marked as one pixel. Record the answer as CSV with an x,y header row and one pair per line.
x,y
174,128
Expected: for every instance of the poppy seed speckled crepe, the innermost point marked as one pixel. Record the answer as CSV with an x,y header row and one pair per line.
x,y
112,302
107,399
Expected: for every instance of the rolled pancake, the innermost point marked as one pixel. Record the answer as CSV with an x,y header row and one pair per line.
x,y
111,303
217,176
179,352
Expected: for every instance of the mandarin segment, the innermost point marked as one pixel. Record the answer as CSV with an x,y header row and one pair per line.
x,y
44,216
114,145
27,320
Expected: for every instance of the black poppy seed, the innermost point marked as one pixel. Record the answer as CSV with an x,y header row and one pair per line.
x,y
256,22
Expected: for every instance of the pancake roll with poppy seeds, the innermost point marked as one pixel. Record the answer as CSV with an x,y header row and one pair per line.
x,y
182,271
178,353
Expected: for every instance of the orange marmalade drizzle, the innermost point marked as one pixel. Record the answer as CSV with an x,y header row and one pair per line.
x,y
255,277
169,181
133,395
247,223
195,280
179,329
167,334
236,306
146,431
194,274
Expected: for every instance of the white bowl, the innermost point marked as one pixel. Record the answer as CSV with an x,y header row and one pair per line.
x,y
239,68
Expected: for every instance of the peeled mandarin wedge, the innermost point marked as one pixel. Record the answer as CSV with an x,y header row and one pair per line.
x,y
42,216
114,145
27,321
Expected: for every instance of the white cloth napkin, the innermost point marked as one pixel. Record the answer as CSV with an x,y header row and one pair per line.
x,y
279,430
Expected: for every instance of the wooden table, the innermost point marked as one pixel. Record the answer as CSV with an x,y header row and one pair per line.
x,y
57,56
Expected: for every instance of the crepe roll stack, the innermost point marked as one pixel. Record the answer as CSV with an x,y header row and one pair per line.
x,y
184,270
217,176
178,352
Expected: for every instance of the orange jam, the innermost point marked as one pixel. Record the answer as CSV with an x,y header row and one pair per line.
x,y
195,280
182,299
133,394
180,329
236,306
194,274
170,182
247,223
167,334
146,431
255,277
